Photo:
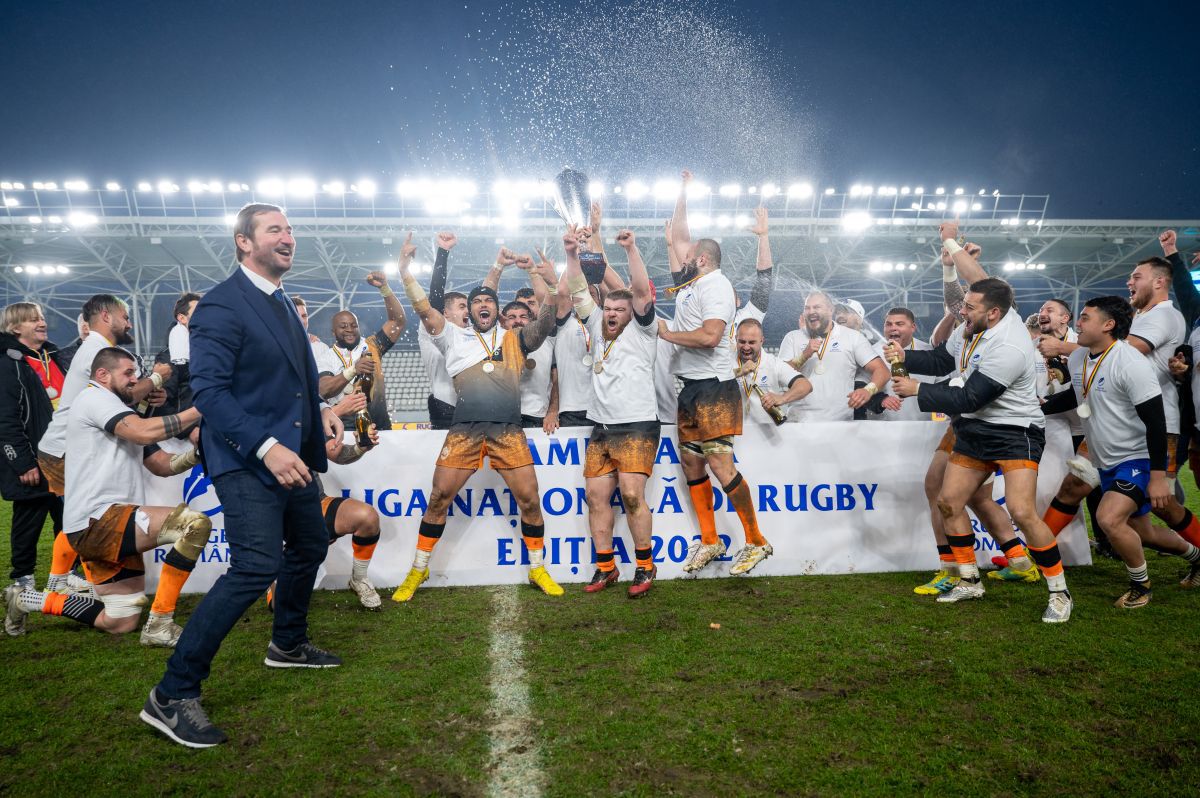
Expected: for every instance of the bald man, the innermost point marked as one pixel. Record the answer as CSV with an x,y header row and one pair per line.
x,y
352,357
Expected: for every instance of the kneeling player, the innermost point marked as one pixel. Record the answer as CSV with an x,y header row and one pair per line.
x,y
105,520
1120,404
624,441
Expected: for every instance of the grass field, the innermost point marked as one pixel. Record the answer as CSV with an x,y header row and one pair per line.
x,y
811,686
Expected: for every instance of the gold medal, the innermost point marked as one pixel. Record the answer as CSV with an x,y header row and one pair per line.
x,y
820,367
51,392
489,367
598,367
587,360
530,364
957,382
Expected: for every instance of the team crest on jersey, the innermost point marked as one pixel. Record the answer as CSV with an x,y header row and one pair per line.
x,y
835,346
1100,384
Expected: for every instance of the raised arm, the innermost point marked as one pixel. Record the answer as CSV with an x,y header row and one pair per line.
x,y
505,257
431,317
673,261
396,321
576,282
764,280
595,237
965,258
681,236
535,334
441,269
639,280
953,294
941,333
1181,278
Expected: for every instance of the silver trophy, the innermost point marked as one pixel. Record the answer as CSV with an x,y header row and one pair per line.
x,y
571,199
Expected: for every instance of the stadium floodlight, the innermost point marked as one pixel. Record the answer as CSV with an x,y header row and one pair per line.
x,y
868,190
855,190
38,185
919,190
802,191
75,185
144,186
234,187
976,206
61,269
939,190
19,269
167,187
35,220
771,190
595,189
6,185
905,190
81,219
271,186
995,192
830,191
51,186
636,189
982,192
196,187
959,206
666,189
19,186
1031,222
857,221
390,267
699,220
741,220
364,188
1041,267
11,202
54,219
730,190
301,187
724,221
958,192
231,219
112,186
214,186
697,190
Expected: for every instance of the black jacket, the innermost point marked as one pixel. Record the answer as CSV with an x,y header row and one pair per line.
x,y
25,412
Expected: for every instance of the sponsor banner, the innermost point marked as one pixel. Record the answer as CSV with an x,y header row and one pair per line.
x,y
832,498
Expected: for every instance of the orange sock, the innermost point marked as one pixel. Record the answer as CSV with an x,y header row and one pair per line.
x,y
644,558
1048,558
1059,515
946,554
702,501
1015,550
604,561
1188,528
53,605
739,496
62,557
170,582
364,548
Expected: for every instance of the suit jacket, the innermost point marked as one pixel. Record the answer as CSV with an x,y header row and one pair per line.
x,y
250,382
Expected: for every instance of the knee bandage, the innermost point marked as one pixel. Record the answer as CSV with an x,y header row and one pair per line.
x,y
1082,468
188,529
123,605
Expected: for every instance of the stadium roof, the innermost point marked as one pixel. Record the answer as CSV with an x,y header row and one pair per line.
x,y
60,244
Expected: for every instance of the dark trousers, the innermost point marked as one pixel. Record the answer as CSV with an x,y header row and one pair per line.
x,y
28,518
259,520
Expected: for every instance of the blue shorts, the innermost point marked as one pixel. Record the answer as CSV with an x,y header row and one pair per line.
x,y
1132,479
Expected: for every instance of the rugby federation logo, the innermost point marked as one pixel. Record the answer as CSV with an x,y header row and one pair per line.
x,y
198,492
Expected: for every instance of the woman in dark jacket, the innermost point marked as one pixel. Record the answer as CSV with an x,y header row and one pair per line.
x,y
30,383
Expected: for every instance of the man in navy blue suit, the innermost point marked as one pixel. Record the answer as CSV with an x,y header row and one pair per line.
x,y
264,431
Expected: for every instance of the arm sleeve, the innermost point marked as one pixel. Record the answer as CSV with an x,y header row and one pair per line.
x,y
437,282
760,294
1153,415
936,362
647,318
382,342
1060,402
1185,290
977,392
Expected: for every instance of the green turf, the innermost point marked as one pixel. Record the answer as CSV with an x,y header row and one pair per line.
x,y
811,686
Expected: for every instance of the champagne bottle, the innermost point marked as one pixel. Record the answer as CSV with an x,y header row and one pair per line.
x,y
776,413
898,367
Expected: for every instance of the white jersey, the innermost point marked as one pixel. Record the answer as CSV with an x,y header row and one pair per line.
x,y
666,392
708,297
103,469
440,384
179,344
1005,354
1164,329
1048,387
1119,382
320,350
772,376
623,391
909,411
831,371
54,441
572,344
337,359
535,382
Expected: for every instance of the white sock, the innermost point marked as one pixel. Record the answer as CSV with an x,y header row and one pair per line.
x,y
421,561
358,571
1021,563
56,583
535,558
1138,574
1057,584
32,600
968,571
1192,554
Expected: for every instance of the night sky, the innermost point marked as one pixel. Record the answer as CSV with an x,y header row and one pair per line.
x,y
1096,104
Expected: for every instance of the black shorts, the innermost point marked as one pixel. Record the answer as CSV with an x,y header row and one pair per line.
x,y
531,422
574,418
988,447
441,415
708,410
329,507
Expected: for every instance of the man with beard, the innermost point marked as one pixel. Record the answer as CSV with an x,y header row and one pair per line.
x,y
263,436
830,356
900,328
709,412
485,363
442,398
1121,407
1157,330
352,358
999,425
105,519
108,323
779,383
624,440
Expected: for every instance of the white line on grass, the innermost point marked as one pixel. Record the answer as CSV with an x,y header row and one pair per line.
x,y
515,761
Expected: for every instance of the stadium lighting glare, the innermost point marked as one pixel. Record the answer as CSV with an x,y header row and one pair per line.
x,y
939,190
959,206
723,221
390,268
196,187
6,185
19,270
1031,222
919,190
958,192
231,219
232,187
829,192
364,188
54,219
665,189
905,190
38,185
81,219
699,220
144,186
741,220
636,189
916,206
112,186
35,220
51,186
976,206
61,269
800,191
11,202
856,190
857,221
697,190
214,186
19,186
730,190
595,189
868,190
271,186
334,187
75,185
1041,267
982,192
996,192
941,206
167,187
301,187
771,190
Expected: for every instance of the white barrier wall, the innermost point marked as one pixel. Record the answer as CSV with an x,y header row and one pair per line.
x,y
832,498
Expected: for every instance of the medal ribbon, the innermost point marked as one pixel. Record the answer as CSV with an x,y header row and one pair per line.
x,y
491,352
748,386
966,356
1087,381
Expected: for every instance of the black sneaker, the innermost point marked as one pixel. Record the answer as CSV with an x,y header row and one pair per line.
x,y
601,580
183,720
305,655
